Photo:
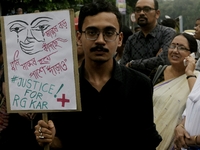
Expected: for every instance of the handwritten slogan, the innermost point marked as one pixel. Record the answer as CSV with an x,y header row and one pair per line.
x,y
40,62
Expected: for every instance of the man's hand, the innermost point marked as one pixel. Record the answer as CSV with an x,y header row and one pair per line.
x,y
45,132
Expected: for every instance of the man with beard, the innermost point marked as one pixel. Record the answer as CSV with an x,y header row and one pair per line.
x,y
147,49
109,92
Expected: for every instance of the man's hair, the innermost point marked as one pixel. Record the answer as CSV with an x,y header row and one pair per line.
x,y
191,41
169,23
156,6
96,7
19,9
197,19
126,33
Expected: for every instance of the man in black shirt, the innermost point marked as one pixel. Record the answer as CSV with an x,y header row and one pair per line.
x,y
117,109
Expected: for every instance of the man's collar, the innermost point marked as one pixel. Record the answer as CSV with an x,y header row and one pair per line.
x,y
152,33
116,72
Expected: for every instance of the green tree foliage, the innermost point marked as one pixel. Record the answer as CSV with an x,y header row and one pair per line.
x,y
48,5
42,5
30,6
188,9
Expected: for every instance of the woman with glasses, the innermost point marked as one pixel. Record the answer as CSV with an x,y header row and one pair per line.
x,y
173,86
187,133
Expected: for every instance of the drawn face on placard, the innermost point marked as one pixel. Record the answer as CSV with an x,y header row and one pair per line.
x,y
30,36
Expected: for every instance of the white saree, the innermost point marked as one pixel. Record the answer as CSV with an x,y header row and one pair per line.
x,y
169,101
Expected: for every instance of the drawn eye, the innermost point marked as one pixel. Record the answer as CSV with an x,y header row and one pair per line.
x,y
40,27
17,28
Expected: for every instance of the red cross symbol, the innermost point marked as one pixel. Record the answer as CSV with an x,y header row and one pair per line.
x,y
63,100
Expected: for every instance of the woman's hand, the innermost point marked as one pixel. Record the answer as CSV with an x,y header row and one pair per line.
x,y
45,132
191,64
180,135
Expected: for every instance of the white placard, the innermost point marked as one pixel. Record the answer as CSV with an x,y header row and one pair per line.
x,y
41,69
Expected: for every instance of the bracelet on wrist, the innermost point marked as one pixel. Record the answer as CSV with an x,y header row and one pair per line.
x,y
189,76
195,139
130,63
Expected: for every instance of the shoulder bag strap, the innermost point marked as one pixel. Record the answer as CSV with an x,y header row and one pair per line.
x,y
158,73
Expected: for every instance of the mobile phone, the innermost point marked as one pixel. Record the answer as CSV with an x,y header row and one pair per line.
x,y
184,61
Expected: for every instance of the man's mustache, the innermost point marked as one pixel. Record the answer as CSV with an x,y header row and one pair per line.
x,y
99,48
142,18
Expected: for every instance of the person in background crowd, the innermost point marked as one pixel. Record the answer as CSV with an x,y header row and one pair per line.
x,y
197,37
19,11
36,11
80,51
3,111
137,28
169,22
109,93
147,48
187,133
11,12
173,87
126,33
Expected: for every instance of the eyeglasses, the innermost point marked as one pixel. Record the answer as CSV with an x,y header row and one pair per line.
x,y
145,9
197,26
108,34
179,47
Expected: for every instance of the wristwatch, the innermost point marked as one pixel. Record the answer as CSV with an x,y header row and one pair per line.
x,y
130,63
